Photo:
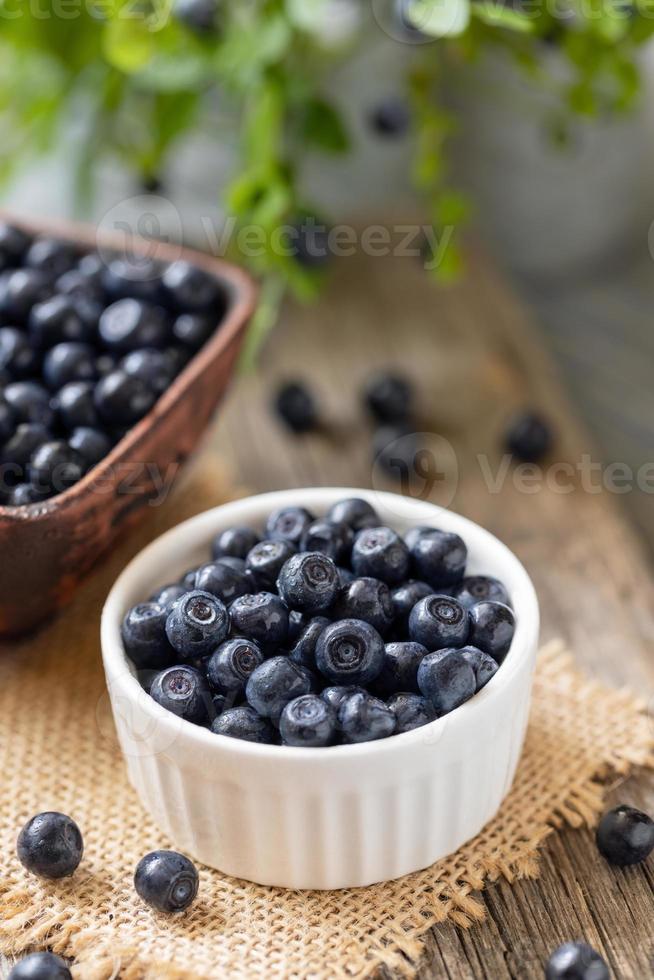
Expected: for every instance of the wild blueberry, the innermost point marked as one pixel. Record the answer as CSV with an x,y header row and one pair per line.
x,y
50,845
262,617
378,552
296,407
189,288
389,398
576,961
625,836
405,596
17,356
303,650
222,581
492,625
364,718
439,621
244,723
54,467
143,632
333,540
337,694
367,599
197,624
30,402
265,560
24,494
411,711
40,966
446,679
14,242
288,524
478,588
439,557
90,444
355,512
20,289
273,684
193,329
55,320
184,691
350,651
51,256
166,880
390,118
17,451
168,594
75,406
229,667
154,367
400,668
308,581
123,400
234,541
308,722
130,324
482,663
529,437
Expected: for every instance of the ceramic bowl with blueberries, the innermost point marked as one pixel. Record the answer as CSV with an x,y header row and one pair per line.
x,y
322,688
112,361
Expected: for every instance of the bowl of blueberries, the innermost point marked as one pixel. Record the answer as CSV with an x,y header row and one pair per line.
x,y
113,359
321,688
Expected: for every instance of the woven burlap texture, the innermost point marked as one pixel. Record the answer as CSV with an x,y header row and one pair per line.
x,y
58,751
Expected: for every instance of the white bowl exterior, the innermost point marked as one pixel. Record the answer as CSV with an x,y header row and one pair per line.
x,y
339,817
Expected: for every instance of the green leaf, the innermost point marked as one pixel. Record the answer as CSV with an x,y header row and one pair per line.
x,y
323,127
440,18
495,14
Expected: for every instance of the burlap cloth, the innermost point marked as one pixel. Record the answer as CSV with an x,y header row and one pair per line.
x,y
57,751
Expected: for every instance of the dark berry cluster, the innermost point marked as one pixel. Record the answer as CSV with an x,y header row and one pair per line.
x,y
321,630
86,348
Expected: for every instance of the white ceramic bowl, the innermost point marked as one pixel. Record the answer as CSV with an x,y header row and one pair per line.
x,y
332,817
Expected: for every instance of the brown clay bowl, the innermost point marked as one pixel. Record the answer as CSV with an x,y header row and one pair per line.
x,y
46,549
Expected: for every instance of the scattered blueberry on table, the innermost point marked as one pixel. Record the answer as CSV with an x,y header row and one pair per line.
x,y
576,961
317,631
87,346
166,880
625,836
529,437
40,966
50,845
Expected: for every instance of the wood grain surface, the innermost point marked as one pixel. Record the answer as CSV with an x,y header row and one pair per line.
x,y
475,358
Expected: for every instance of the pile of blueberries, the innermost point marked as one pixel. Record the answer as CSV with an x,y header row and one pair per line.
x,y
87,345
321,631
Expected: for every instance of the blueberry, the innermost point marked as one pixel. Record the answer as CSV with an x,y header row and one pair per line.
x,y
197,624
492,625
76,284
276,682
130,324
50,845
405,596
439,621
222,581
439,557
364,718
143,632
367,599
262,617
396,449
188,579
390,118
231,664
20,290
68,362
296,407
51,256
297,621
55,320
54,467
168,594
8,421
17,451
576,961
482,663
17,356
192,330
265,560
288,524
345,576
90,444
30,402
446,679
105,363
625,836
479,588
529,437
335,696
303,650
237,564
166,880
378,552
308,243
355,512
183,691
350,652
308,722
244,723
308,581
189,288
389,398
74,405
14,242
154,367
235,542
133,277
333,540
122,400
92,266
24,494
400,668
411,711
40,966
